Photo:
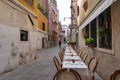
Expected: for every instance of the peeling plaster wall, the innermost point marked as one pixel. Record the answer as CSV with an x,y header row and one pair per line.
x,y
14,52
6,42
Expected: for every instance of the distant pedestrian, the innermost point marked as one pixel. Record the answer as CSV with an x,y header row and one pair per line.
x,y
59,43
64,40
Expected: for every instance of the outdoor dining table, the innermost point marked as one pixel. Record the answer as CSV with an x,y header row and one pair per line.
x,y
72,60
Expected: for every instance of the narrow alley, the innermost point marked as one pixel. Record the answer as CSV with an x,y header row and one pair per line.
x,y
32,31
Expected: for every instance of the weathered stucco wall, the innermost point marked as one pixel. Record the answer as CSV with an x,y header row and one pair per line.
x,y
14,52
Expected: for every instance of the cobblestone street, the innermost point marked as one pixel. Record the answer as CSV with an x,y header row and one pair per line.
x,y
41,69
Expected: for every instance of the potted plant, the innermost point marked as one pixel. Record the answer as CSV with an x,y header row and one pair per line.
x,y
86,35
102,32
90,42
72,43
40,7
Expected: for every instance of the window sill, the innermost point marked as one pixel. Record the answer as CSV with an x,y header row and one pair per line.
x,y
105,50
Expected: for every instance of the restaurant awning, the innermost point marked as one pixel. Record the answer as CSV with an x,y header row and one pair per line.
x,y
98,11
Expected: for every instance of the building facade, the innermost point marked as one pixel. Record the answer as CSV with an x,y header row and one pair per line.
x,y
53,23
42,23
74,25
96,17
23,31
18,25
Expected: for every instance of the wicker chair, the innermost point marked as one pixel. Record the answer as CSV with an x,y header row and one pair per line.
x,y
57,63
80,53
92,65
115,75
85,57
67,74
61,56
62,50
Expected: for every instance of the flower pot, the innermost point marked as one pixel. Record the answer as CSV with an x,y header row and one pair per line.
x,y
91,45
73,46
72,43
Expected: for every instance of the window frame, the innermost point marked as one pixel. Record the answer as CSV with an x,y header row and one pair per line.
x,y
43,26
27,35
98,48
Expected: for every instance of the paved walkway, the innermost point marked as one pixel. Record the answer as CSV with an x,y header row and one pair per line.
x,y
41,69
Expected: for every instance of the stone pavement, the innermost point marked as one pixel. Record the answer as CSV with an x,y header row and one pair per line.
x,y
41,69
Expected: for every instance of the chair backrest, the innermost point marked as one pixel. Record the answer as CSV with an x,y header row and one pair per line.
x,y
80,53
57,63
61,56
115,75
67,74
62,50
85,57
92,65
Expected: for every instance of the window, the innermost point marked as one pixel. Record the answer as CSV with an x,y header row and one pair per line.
x,y
86,32
90,31
43,26
29,2
23,35
104,31
85,6
77,10
93,31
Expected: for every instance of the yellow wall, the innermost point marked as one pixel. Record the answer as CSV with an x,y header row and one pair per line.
x,y
41,19
26,5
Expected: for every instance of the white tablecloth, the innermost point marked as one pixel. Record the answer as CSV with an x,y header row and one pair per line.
x,y
72,57
78,64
